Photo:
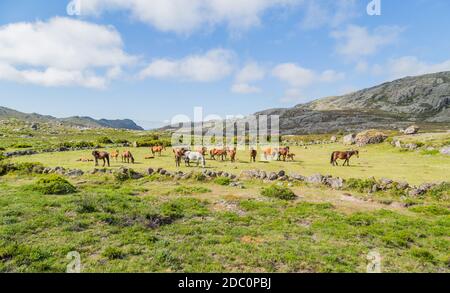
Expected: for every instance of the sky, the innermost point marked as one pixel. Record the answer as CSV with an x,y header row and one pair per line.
x,y
152,60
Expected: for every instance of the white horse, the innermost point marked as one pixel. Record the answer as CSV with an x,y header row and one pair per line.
x,y
195,157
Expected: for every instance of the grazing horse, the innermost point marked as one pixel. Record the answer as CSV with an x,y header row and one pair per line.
x,y
343,156
101,156
127,157
232,154
282,153
253,154
203,151
194,156
115,154
157,149
178,153
291,156
220,153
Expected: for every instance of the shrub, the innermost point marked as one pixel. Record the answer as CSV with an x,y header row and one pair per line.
x,y
123,141
360,185
280,192
54,184
153,142
77,144
105,140
222,181
2,157
113,253
21,146
430,152
441,191
87,205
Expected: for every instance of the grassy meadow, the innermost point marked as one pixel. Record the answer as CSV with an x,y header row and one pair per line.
x,y
159,224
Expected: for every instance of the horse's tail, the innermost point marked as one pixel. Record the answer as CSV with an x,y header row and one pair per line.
x,y
332,158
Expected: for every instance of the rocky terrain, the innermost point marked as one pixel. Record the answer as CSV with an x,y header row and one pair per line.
x,y
422,99
88,122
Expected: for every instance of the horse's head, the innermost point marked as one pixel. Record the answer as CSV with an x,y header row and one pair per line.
x,y
95,153
356,153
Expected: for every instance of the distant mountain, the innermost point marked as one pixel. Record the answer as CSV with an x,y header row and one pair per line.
x,y
421,99
6,113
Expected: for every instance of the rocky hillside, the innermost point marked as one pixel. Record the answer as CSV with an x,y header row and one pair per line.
x,y
6,113
422,99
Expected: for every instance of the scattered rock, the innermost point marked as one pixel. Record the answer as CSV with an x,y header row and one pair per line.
x,y
315,179
281,173
75,173
272,176
413,129
333,139
370,137
335,183
445,150
349,139
150,171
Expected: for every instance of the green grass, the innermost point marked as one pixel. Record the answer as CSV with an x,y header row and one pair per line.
x,y
280,192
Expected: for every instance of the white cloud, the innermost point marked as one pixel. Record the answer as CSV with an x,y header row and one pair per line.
x,y
213,65
251,72
300,77
244,88
332,13
61,52
293,74
356,41
186,16
411,66
293,95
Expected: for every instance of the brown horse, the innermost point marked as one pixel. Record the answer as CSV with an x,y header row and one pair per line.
x,y
203,151
343,156
232,154
291,156
222,153
267,153
127,157
283,153
178,153
253,154
157,149
115,154
101,156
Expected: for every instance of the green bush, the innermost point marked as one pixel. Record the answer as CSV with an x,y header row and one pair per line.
x,y
440,192
21,146
153,142
54,184
2,157
360,185
122,141
113,253
77,144
280,192
105,140
222,181
430,152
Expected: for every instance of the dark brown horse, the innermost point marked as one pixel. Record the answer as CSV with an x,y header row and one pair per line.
x,y
157,149
127,157
283,153
101,156
343,156
253,154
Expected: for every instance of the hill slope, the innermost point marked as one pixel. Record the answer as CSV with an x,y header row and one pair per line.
x,y
6,113
422,99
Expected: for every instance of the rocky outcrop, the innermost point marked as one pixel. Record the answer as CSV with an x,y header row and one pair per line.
x,y
413,129
370,137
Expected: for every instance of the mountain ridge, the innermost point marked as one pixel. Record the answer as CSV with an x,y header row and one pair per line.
x,y
77,121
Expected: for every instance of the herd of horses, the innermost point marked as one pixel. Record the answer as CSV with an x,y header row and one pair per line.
x,y
198,156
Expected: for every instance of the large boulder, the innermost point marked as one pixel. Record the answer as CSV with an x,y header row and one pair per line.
x,y
413,129
349,139
370,137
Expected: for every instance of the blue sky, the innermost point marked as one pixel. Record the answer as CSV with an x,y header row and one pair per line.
x,y
151,60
